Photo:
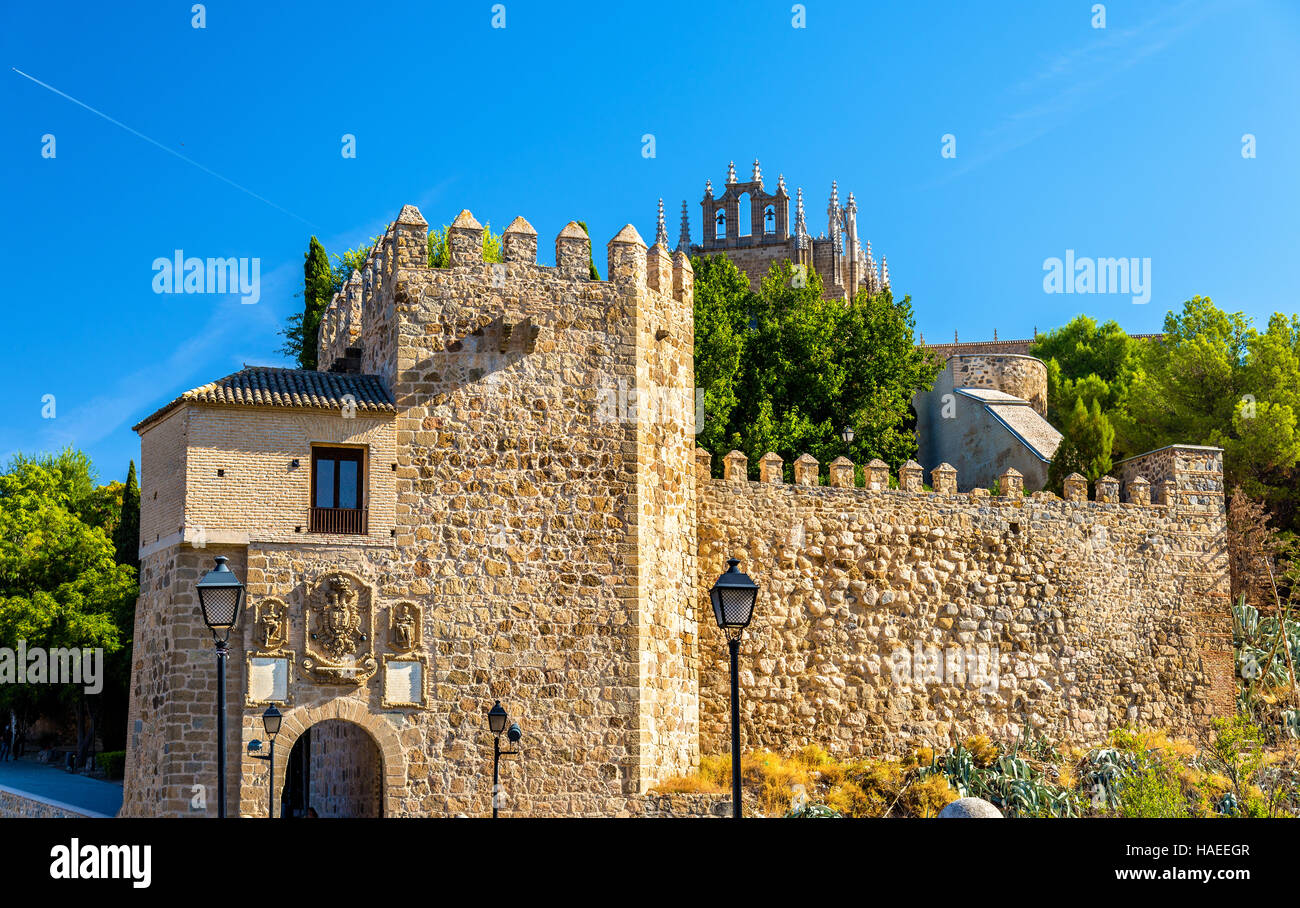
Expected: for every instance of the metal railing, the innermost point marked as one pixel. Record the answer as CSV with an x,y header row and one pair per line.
x,y
353,521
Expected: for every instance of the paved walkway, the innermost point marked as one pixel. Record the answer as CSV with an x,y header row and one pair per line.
x,y
54,784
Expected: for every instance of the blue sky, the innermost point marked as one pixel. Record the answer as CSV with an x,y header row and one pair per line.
x,y
1122,141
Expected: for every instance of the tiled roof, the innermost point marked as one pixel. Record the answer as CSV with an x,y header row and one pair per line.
x,y
266,386
991,396
1036,432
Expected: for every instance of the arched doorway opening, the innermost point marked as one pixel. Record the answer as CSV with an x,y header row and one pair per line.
x,y
334,769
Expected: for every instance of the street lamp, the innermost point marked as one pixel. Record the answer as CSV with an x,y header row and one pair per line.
x,y
733,606
220,595
847,435
271,724
497,719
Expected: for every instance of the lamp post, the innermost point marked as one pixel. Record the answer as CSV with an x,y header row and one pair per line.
x,y
846,434
220,595
497,719
733,599
271,724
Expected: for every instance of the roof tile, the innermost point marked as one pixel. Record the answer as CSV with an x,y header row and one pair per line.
x,y
267,386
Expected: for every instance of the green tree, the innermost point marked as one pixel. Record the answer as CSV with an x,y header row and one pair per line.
x,y
126,535
60,583
1086,361
1218,380
1085,447
300,330
722,304
805,367
349,261
440,253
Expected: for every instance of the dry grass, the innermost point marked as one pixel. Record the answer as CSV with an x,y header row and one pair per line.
x,y
895,788
858,788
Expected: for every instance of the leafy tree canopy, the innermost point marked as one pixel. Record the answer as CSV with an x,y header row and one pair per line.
x,y
440,252
1218,380
783,369
345,264
1087,361
60,584
1215,379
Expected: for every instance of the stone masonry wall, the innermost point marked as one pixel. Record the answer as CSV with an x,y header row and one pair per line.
x,y
1020,376
261,494
346,778
172,724
1201,470
876,608
552,528
666,514
17,804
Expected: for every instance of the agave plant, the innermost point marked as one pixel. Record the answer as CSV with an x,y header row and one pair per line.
x,y
1245,622
1228,805
958,766
1108,767
1015,767
812,811
1011,784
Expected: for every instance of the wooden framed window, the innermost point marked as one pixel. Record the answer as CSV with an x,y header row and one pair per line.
x,y
338,490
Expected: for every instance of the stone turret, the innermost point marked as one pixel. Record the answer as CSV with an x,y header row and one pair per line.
x,y
519,242
573,250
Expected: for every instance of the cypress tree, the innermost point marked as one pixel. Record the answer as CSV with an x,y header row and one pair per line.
x,y
126,536
317,288
591,261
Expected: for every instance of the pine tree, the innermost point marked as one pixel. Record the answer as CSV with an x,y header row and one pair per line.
x,y
126,536
1085,447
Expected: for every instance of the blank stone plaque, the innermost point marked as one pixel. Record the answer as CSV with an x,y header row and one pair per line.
x,y
404,681
268,679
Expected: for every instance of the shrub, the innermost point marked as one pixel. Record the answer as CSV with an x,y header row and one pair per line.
x,y
982,750
1154,791
1140,773
112,763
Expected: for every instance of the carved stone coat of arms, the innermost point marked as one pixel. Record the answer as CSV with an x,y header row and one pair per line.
x,y
340,645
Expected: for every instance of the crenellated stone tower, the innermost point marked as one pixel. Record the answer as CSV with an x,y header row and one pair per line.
x,y
526,440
